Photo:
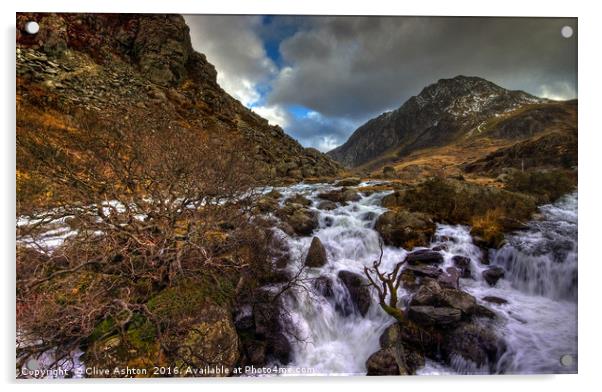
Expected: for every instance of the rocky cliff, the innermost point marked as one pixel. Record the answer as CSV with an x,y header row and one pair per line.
x,y
143,66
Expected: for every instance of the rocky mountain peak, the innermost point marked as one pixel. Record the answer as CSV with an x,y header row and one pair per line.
x,y
441,112
463,96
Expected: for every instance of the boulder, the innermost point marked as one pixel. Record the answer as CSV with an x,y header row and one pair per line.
x,y
343,195
301,220
274,194
432,294
327,205
463,264
475,343
350,195
255,352
213,339
484,311
394,199
270,324
425,339
493,274
316,256
389,172
266,204
391,336
405,229
349,181
450,279
430,315
384,363
358,290
324,286
429,271
424,256
439,248
459,300
298,199
495,300
409,279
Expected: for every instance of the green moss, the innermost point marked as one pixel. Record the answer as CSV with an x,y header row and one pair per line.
x,y
102,329
141,333
184,299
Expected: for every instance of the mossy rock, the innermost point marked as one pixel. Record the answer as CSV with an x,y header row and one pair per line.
x,y
212,341
405,229
137,348
183,300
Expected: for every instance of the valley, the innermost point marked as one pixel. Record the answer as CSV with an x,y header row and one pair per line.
x,y
160,223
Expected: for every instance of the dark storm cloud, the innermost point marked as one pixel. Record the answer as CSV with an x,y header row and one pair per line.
x,y
358,66
346,70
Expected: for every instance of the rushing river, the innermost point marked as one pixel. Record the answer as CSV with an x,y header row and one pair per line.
x,y
539,322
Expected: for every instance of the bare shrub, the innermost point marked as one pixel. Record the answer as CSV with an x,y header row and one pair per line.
x,y
143,206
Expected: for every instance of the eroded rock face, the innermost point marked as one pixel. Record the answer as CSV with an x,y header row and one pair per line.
x,y
405,229
358,290
316,256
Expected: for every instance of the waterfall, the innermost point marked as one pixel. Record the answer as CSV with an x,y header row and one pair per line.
x,y
542,260
538,322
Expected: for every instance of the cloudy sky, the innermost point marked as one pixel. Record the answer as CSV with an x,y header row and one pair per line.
x,y
321,77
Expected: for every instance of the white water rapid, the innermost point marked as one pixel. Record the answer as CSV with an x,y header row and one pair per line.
x,y
539,322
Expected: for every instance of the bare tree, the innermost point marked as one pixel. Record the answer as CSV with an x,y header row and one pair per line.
x,y
386,285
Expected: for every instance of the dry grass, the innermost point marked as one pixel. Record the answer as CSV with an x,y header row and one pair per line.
x,y
488,227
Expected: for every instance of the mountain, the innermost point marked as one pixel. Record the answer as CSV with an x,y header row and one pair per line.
x,y
119,66
450,111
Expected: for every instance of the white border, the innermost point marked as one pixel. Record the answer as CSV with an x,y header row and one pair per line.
x,y
590,149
